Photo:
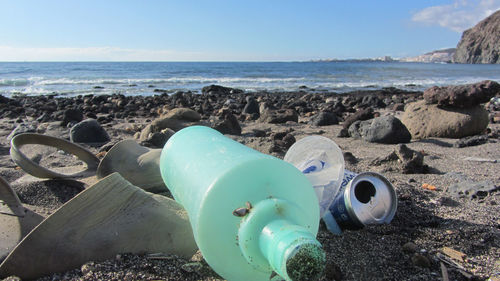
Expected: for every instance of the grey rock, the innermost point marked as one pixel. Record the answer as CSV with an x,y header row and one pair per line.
x,y
362,114
72,115
471,141
385,129
471,189
421,260
403,159
480,43
22,128
88,131
251,107
324,119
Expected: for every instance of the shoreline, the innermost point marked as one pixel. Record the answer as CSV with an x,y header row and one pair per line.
x,y
406,249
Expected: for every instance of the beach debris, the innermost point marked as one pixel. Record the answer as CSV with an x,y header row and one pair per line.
x,y
110,217
454,254
478,159
428,186
15,220
88,131
444,272
36,170
137,164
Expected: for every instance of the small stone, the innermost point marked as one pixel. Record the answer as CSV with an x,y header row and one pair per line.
x,y
87,268
333,272
421,260
88,131
350,158
410,247
192,267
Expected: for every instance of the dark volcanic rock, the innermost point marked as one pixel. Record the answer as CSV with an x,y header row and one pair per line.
x,y
88,131
362,114
471,141
279,116
385,129
72,115
216,89
251,107
229,125
324,119
462,96
480,44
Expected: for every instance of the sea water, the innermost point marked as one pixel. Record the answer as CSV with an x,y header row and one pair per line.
x,y
149,78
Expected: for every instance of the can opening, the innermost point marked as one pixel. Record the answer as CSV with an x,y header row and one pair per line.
x,y
364,191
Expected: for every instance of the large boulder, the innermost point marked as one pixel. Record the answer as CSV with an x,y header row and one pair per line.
x,y
462,95
384,129
480,43
428,120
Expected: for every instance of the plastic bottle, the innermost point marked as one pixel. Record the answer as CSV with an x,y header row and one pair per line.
x,y
251,213
322,161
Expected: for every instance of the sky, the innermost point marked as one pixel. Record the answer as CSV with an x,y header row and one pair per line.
x,y
231,30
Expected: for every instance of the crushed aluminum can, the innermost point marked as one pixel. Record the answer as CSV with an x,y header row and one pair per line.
x,y
363,199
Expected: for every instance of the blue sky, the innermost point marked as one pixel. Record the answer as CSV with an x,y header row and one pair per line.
x,y
224,30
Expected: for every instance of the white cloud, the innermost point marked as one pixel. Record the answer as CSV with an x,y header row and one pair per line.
x,y
458,16
9,53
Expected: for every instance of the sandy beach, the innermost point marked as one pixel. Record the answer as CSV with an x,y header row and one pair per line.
x,y
412,247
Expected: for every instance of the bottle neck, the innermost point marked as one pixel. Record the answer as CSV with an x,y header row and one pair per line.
x,y
292,251
277,236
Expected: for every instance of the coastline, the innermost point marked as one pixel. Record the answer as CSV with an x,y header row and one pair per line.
x,y
406,249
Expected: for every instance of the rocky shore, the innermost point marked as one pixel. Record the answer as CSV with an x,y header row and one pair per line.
x,y
447,183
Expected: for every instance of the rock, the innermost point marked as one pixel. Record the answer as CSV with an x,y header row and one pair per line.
x,y
279,116
462,95
343,133
21,129
410,247
158,139
350,158
88,131
324,119
87,268
229,125
216,89
385,129
184,114
333,272
398,107
421,260
427,121
471,141
176,119
404,159
480,43
471,189
192,267
282,141
71,115
362,114
251,107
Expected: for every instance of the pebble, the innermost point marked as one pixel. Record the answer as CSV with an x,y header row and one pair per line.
x,y
192,267
421,260
410,247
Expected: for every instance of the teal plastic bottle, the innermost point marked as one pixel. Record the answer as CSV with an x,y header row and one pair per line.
x,y
251,213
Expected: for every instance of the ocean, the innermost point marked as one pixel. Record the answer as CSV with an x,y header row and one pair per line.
x,y
143,78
